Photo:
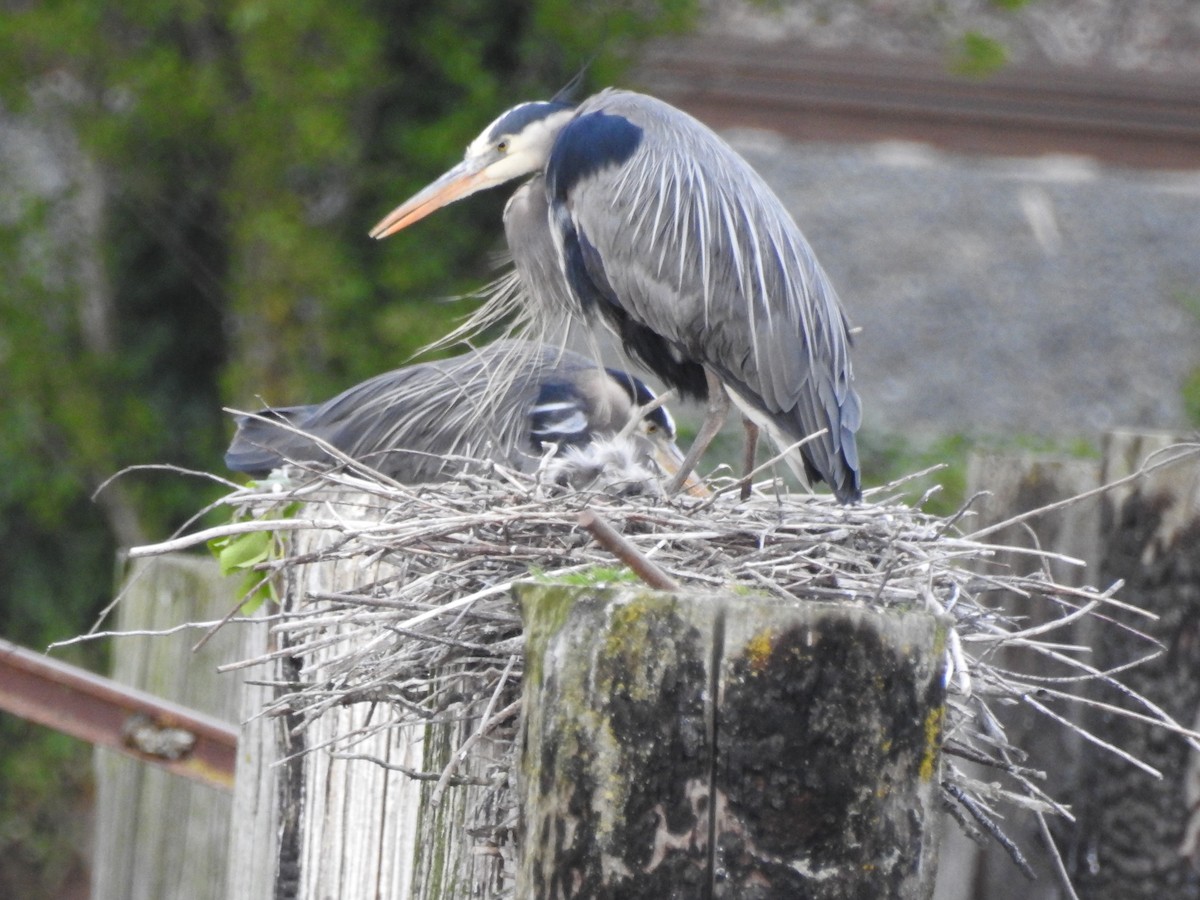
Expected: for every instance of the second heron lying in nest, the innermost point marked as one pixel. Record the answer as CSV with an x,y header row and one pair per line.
x,y
515,403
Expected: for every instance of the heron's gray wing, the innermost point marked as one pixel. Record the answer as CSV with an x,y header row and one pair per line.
x,y
679,232
475,406
260,444
376,422
412,423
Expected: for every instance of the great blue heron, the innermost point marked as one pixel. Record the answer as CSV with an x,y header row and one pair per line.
x,y
642,215
505,402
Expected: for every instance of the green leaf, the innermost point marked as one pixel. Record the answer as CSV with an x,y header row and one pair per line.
x,y
243,551
259,589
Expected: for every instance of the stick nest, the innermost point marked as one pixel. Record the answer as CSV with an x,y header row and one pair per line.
x,y
429,629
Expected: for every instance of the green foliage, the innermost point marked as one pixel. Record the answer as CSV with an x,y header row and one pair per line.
x,y
888,457
1191,397
593,576
1189,299
43,816
978,55
241,150
242,553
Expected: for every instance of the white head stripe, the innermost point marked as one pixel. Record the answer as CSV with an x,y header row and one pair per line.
x,y
576,423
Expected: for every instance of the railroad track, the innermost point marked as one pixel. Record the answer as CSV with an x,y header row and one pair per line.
x,y
1126,119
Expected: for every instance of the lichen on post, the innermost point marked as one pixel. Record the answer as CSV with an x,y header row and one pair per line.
x,y
700,745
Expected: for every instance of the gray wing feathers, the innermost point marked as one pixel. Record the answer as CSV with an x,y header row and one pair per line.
x,y
406,423
260,445
699,249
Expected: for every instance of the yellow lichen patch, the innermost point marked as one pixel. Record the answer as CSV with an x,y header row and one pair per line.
x,y
639,645
758,649
933,734
629,626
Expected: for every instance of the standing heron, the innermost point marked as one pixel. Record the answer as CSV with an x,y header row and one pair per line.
x,y
640,214
507,402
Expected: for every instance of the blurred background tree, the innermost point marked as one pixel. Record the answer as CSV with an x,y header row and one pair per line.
x,y
189,231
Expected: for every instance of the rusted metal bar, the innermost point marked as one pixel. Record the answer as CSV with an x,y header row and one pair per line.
x,y
1128,119
108,714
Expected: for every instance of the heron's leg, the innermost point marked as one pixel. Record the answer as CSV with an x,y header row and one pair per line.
x,y
749,451
714,418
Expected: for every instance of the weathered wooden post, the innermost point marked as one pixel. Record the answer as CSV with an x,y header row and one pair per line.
x,y
1131,825
159,836
1016,483
261,790
356,823
694,745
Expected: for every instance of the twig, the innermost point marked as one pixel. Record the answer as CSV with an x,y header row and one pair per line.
x,y
608,538
1060,868
414,774
989,825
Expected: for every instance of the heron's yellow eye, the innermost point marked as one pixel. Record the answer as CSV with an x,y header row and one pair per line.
x,y
503,146
651,428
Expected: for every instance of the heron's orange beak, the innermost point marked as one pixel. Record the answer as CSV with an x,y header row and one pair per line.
x,y
466,178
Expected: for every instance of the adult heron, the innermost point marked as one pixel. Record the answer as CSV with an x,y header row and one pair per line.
x,y
507,402
640,214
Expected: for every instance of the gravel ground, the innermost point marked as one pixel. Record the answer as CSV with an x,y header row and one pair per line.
x,y
1149,36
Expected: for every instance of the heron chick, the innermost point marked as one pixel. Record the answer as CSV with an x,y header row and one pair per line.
x,y
510,402
636,214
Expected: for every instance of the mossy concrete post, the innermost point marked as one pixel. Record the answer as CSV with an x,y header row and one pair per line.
x,y
726,746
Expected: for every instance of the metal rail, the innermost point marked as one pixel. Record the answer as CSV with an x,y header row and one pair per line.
x,y
1127,119
108,714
